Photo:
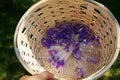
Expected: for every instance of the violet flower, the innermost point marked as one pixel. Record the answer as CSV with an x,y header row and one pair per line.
x,y
50,31
76,53
52,52
47,42
67,47
80,72
60,63
65,34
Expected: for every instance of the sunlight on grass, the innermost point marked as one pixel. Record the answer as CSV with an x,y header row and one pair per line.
x,y
9,46
107,74
118,72
2,76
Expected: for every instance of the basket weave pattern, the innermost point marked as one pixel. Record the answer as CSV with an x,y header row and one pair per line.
x,y
43,15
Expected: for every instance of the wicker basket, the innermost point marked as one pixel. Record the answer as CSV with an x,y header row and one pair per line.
x,y
45,14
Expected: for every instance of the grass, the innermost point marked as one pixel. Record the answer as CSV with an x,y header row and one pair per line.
x,y
10,13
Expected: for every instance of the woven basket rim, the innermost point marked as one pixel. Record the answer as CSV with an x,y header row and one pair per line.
x,y
98,73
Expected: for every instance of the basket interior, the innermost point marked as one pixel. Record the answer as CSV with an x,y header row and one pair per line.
x,y
45,14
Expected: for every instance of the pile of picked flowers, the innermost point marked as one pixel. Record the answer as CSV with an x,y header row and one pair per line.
x,y
69,39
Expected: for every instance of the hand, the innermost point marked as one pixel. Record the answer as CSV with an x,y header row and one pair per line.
x,y
43,76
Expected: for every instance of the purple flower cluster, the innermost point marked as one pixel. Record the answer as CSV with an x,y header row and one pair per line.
x,y
54,59
68,35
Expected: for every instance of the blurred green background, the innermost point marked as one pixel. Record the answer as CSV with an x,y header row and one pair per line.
x,y
10,13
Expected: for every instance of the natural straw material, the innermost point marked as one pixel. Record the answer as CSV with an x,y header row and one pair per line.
x,y
45,14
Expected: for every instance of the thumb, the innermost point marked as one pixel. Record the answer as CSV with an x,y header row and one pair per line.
x,y
43,76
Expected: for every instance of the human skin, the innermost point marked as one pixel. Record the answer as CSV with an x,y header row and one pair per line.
x,y
42,76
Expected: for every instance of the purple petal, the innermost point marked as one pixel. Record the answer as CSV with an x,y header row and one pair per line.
x,y
67,47
61,62
76,54
50,32
92,60
53,63
80,72
52,52
47,42
57,66
96,43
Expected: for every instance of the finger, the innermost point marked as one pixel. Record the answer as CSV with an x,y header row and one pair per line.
x,y
43,76
24,77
